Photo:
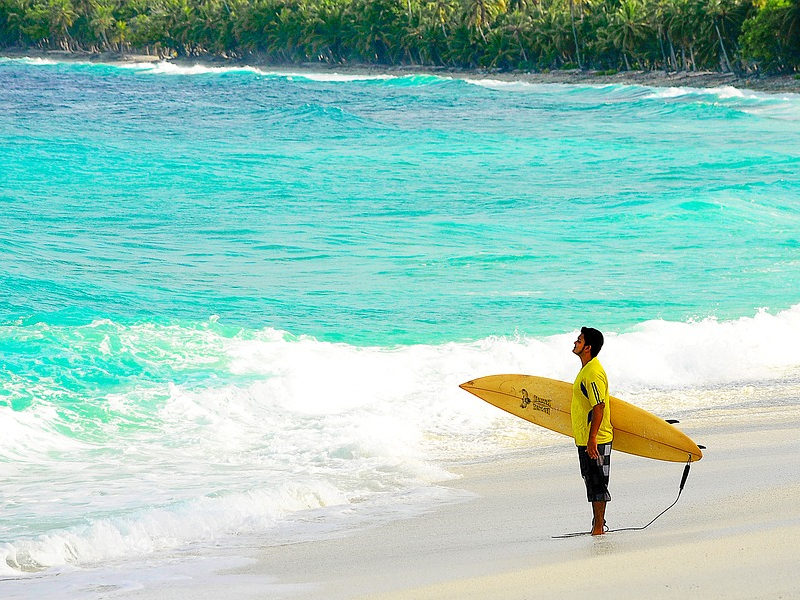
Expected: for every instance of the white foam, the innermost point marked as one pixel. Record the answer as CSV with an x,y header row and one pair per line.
x,y
669,93
32,431
785,106
722,92
283,425
667,354
166,67
37,61
708,352
335,77
157,529
518,86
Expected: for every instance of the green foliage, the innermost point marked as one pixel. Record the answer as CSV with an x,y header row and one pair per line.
x,y
606,35
771,37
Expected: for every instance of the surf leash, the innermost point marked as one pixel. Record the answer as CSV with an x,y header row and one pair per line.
x,y
680,491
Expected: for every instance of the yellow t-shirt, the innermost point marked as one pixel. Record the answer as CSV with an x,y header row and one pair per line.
x,y
590,388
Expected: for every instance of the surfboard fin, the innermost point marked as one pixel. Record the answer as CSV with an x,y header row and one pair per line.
x,y
672,421
701,447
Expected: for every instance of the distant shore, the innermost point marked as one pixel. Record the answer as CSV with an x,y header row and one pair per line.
x,y
698,79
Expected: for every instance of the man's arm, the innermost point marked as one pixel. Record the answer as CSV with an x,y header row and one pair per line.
x,y
597,418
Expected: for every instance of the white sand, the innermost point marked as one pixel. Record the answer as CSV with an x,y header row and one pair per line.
x,y
733,534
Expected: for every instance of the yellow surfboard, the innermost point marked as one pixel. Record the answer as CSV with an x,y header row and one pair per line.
x,y
546,402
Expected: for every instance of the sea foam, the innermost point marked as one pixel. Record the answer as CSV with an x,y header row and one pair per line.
x,y
171,68
278,424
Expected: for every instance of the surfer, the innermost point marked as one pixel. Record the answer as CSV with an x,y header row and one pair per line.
x,y
591,423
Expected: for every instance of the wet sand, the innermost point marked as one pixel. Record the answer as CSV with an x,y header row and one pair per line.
x,y
731,534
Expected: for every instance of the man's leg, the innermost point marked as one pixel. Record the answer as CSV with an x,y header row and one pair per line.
x,y
599,522
595,476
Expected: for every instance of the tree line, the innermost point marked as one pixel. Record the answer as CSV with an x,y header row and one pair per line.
x,y
609,35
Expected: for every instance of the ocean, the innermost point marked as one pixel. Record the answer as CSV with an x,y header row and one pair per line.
x,y
236,303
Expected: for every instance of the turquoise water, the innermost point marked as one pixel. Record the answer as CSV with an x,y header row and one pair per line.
x,y
231,296
406,210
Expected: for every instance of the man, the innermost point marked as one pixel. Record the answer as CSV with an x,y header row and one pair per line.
x,y
591,424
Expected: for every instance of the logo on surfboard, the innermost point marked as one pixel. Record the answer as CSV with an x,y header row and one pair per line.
x,y
536,403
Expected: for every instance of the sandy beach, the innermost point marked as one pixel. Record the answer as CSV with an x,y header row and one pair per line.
x,y
695,79
731,535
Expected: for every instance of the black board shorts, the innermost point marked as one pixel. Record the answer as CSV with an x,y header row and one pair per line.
x,y
595,473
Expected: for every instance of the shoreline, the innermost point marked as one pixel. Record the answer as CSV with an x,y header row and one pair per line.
x,y
775,84
731,535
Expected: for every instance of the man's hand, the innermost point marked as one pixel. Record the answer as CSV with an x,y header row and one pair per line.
x,y
591,448
597,417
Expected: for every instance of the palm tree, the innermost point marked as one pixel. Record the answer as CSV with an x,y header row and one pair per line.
x,y
102,21
14,13
377,29
500,50
628,27
719,11
551,34
574,33
120,34
482,13
61,15
519,25
790,26
328,29
441,12
462,49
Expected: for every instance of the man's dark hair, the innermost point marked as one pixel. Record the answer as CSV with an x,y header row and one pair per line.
x,y
593,338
